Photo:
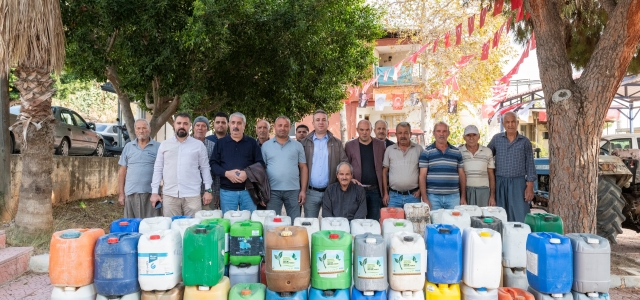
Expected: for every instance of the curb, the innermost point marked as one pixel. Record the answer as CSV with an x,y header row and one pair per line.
x,y
624,281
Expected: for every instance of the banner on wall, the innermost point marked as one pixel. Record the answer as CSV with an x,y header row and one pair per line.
x,y
380,99
363,100
398,101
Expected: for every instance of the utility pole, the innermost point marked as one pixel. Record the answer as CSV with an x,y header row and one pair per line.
x,y
5,144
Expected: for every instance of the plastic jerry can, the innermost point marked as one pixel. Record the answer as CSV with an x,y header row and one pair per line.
x,y
549,263
482,258
246,243
262,215
495,211
471,210
419,215
406,295
591,263
459,218
218,291
331,260
362,226
208,214
487,222
244,273
288,268
180,225
368,295
444,253
117,249
391,213
159,260
335,223
250,291
311,224
71,260
391,226
508,293
544,222
237,215
87,292
226,225
515,278
406,262
154,224
125,225
299,295
370,263
203,262
273,222
332,294
180,217
443,291
544,296
175,293
263,273
590,296
132,296
469,293
514,244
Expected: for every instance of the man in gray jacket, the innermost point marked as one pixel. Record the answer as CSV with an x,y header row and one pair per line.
x,y
323,153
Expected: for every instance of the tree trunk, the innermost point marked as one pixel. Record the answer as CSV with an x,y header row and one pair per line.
x,y
575,124
5,144
35,213
343,124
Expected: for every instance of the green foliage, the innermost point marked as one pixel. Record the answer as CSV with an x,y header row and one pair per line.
x,y
14,94
86,98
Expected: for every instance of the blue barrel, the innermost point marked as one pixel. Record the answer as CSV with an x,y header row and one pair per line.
x,y
125,225
377,295
180,217
444,253
315,294
300,295
116,264
549,262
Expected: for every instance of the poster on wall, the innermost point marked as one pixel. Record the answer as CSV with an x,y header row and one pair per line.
x,y
380,99
413,99
453,106
398,101
363,100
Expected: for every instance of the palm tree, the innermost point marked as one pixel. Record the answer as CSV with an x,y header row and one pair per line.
x,y
32,42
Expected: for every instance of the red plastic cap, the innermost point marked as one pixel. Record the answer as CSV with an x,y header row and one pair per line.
x,y
245,292
125,223
277,219
154,237
334,236
455,213
112,240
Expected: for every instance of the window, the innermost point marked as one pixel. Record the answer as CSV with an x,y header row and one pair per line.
x,y
79,121
65,117
393,120
622,144
101,127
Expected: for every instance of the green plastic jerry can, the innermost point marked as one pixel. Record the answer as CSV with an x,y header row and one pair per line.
x,y
544,222
331,260
202,259
248,291
226,224
246,244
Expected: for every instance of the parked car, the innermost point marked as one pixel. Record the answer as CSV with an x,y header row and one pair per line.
x,y
72,135
620,141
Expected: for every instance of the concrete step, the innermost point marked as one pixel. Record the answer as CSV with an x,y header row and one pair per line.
x,y
14,261
3,240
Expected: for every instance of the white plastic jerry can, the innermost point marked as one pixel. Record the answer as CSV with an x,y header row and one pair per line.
x,y
460,218
335,223
208,214
391,226
87,292
515,277
406,295
181,225
362,226
153,224
472,210
406,262
495,211
311,224
237,215
482,258
419,215
261,216
159,260
514,244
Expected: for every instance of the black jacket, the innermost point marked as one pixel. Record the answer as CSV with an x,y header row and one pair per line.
x,y
257,183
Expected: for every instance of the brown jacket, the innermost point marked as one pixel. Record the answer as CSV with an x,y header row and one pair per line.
x,y
257,183
352,149
336,154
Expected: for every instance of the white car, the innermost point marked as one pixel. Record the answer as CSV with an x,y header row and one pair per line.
x,y
620,141
108,129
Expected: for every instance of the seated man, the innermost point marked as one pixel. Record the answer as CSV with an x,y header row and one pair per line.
x,y
344,198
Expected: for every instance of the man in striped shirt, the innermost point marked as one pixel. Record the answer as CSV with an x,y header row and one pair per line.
x,y
478,167
442,176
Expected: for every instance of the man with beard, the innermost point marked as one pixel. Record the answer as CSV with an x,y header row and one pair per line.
x,y
183,165
136,171
286,169
262,131
231,156
400,170
220,127
344,198
200,128
381,132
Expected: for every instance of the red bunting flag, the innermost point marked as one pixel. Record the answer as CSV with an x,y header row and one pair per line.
x,y
458,34
508,24
485,50
496,39
526,50
447,43
533,41
497,7
398,101
520,14
453,82
464,61
483,16
515,4
471,24
435,46
414,57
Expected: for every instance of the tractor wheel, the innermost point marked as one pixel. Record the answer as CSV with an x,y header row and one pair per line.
x,y
609,211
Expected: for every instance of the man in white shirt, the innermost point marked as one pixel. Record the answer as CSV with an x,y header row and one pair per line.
x,y
182,164
478,167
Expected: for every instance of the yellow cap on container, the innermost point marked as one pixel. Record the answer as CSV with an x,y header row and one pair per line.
x,y
485,234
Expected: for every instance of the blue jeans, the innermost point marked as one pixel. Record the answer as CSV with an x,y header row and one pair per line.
x,y
231,200
374,204
397,200
313,204
290,201
444,201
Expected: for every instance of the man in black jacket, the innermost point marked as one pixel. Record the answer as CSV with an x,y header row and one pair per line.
x,y
344,198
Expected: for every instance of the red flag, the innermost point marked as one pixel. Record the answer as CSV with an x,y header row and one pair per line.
x,y
398,101
520,14
447,43
525,54
454,84
497,7
464,60
483,15
485,51
435,45
471,23
515,4
533,41
508,24
496,39
458,34
487,111
414,57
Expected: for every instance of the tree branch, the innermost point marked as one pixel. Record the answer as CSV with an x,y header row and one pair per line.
x,y
123,99
210,108
110,42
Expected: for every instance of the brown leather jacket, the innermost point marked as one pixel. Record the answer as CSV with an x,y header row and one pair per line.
x,y
257,183
336,154
352,149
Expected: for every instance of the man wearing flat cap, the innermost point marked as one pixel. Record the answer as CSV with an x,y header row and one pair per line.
x,y
479,169
200,129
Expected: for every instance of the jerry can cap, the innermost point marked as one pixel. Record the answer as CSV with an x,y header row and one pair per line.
x,y
328,293
286,232
557,295
334,236
156,237
245,223
203,288
370,240
278,219
285,294
487,220
517,225
123,223
112,240
554,241
306,223
444,230
245,292
201,230
368,293
408,238
593,241
482,289
593,295
72,234
548,218
455,213
485,234
398,224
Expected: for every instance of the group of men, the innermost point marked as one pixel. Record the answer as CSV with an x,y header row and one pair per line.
x,y
314,174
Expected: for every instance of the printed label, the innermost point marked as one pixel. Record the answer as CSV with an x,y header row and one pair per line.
x,y
285,260
406,264
154,264
532,262
370,267
330,261
246,246
255,232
